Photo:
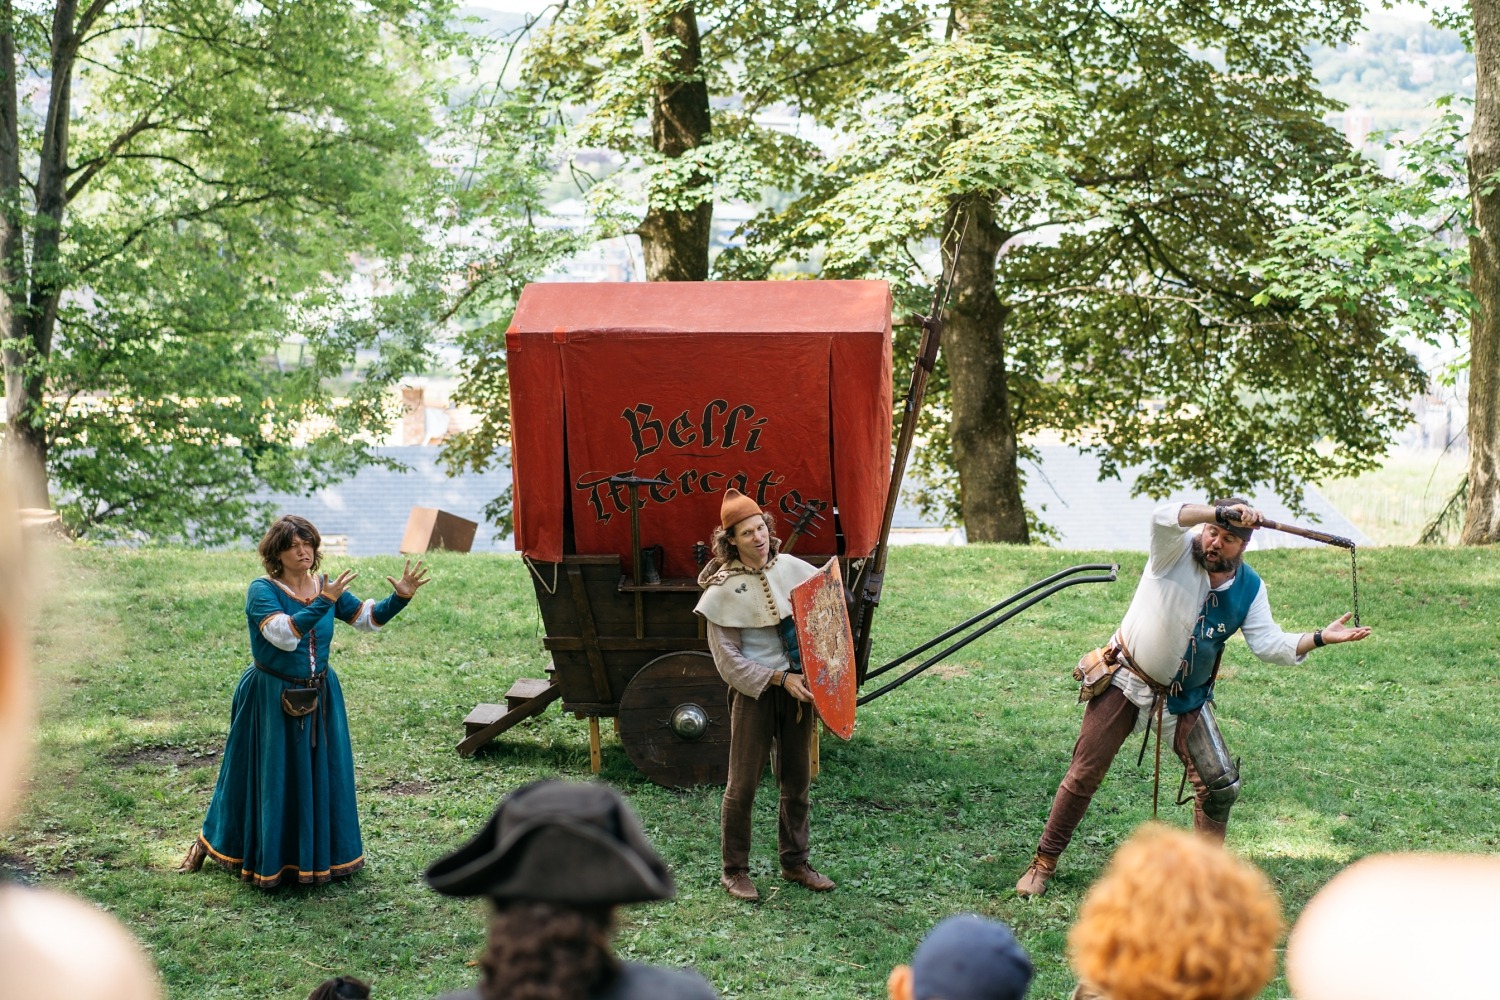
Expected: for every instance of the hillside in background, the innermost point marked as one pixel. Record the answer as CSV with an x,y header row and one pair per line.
x,y
1392,74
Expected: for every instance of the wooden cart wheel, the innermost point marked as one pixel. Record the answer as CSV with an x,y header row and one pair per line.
x,y
674,721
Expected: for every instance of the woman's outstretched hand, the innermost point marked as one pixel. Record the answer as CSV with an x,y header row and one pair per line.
x,y
412,577
334,589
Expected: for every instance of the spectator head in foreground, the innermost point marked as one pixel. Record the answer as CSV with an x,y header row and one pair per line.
x,y
1176,917
341,988
1407,926
555,859
965,957
52,945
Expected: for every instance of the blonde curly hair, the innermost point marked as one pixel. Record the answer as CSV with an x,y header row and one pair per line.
x,y
1176,917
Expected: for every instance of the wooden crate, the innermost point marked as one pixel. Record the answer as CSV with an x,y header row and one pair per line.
x,y
429,528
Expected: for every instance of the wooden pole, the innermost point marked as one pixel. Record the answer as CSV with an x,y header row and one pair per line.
x,y
1317,536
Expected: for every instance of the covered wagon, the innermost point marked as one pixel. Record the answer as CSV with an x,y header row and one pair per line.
x,y
633,407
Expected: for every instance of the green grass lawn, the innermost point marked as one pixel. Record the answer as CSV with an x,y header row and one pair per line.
x,y
933,807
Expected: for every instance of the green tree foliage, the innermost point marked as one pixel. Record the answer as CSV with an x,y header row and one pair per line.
x,y
1118,170
611,75
677,91
500,201
1424,242
1401,240
1397,68
187,185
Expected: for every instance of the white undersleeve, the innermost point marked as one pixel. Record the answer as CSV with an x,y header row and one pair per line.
x,y
280,632
364,621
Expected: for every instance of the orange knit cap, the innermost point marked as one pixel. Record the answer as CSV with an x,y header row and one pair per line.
x,y
735,508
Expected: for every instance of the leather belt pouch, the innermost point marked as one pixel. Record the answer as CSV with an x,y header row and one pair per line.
x,y
299,701
1095,671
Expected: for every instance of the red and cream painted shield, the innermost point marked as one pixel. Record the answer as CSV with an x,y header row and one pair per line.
x,y
827,644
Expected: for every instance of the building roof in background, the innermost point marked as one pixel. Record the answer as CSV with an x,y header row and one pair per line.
x,y
1087,514
366,514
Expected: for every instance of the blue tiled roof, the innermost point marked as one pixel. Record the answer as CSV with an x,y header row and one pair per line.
x,y
371,508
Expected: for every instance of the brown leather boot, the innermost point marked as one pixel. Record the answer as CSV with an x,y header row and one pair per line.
x,y
1038,874
193,860
739,886
807,876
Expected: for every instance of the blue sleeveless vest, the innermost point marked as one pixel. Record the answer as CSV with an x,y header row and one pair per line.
x,y
1223,613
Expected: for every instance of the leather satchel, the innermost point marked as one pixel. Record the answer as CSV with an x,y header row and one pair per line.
x,y
299,701
1096,670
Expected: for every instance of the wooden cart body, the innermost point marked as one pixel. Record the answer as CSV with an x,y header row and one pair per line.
x,y
781,389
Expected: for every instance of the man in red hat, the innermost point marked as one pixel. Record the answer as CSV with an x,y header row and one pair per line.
x,y
747,588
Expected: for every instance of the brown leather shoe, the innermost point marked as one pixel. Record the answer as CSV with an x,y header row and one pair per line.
x,y
808,877
193,860
1038,874
739,886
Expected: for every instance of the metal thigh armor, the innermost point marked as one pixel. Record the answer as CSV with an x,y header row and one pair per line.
x,y
1218,771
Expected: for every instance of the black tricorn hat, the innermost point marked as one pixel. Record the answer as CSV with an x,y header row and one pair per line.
x,y
566,842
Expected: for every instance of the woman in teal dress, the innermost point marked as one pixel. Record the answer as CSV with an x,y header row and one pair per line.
x,y
283,808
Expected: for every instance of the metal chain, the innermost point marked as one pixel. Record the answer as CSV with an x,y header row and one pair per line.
x,y
1354,581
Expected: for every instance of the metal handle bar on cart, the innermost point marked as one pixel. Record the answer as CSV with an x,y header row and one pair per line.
x,y
1052,584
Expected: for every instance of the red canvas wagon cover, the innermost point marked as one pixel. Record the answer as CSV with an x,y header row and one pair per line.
x,y
780,388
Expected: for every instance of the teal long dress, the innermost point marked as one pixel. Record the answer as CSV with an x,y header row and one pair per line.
x,y
283,807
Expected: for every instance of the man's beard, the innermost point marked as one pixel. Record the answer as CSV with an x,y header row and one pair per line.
x,y
1220,565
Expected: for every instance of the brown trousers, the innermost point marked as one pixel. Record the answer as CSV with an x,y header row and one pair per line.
x,y
1107,722
754,725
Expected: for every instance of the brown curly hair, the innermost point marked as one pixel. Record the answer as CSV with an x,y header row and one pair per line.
x,y
546,951
279,538
1176,917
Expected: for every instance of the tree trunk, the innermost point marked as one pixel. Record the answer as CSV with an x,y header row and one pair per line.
x,y
25,437
1482,518
984,433
675,241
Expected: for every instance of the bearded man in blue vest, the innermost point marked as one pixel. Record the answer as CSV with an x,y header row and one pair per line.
x,y
1195,592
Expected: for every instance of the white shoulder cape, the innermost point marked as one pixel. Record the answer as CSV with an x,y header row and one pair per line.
x,y
744,598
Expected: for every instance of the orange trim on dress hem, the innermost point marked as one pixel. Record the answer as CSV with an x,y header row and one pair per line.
x,y
223,859
271,881
305,878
